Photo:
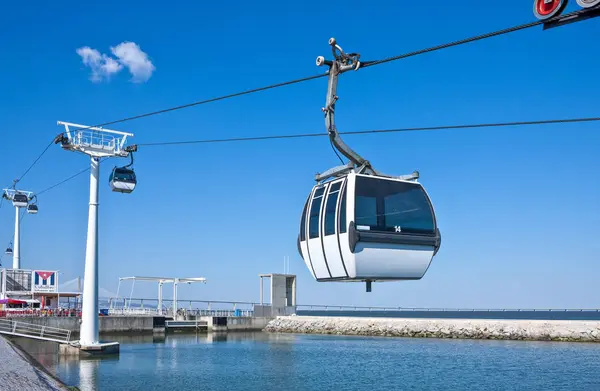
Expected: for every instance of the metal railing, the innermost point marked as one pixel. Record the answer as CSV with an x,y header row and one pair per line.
x,y
133,311
246,308
197,324
130,306
96,140
181,312
29,330
221,312
324,307
39,313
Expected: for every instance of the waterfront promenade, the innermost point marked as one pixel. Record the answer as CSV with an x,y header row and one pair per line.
x,y
20,372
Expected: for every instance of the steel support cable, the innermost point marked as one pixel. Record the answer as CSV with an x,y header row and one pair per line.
x,y
35,161
364,65
443,127
357,132
10,242
455,43
174,109
63,181
67,179
475,38
247,92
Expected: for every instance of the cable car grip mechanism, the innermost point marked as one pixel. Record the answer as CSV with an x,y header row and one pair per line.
x,y
341,63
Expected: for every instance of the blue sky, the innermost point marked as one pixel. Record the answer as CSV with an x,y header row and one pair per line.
x,y
517,207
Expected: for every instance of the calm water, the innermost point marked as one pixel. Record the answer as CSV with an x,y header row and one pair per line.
x,y
259,361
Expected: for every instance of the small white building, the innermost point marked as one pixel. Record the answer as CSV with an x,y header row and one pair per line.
x,y
38,289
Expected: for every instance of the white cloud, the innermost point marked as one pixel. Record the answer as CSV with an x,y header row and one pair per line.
x,y
128,54
101,65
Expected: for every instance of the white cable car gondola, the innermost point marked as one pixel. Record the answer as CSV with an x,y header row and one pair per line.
x,y
33,208
359,224
123,179
9,250
20,200
368,228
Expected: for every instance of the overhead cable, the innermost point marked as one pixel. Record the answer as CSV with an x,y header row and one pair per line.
x,y
357,132
308,78
65,180
365,65
34,163
443,127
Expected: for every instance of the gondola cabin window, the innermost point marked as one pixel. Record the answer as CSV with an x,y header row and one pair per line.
x,y
303,223
330,207
123,175
392,206
315,208
343,212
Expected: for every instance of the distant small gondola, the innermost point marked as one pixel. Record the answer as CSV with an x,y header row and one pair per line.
x,y
20,200
122,180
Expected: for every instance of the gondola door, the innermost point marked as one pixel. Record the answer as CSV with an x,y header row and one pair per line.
x,y
330,230
315,244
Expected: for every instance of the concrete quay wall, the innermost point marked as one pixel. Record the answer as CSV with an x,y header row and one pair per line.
x,y
108,324
235,323
533,330
247,323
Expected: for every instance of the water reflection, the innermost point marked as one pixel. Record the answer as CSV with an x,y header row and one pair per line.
x,y
262,361
88,374
162,352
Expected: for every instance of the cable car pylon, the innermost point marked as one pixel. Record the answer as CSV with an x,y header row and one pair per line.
x,y
20,199
97,143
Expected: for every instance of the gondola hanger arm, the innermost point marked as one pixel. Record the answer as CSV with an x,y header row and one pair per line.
x,y
130,149
344,62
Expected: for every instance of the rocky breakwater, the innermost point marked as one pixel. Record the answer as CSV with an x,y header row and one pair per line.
x,y
532,330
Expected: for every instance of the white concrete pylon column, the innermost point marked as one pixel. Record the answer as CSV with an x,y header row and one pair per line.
x,y
17,240
89,334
